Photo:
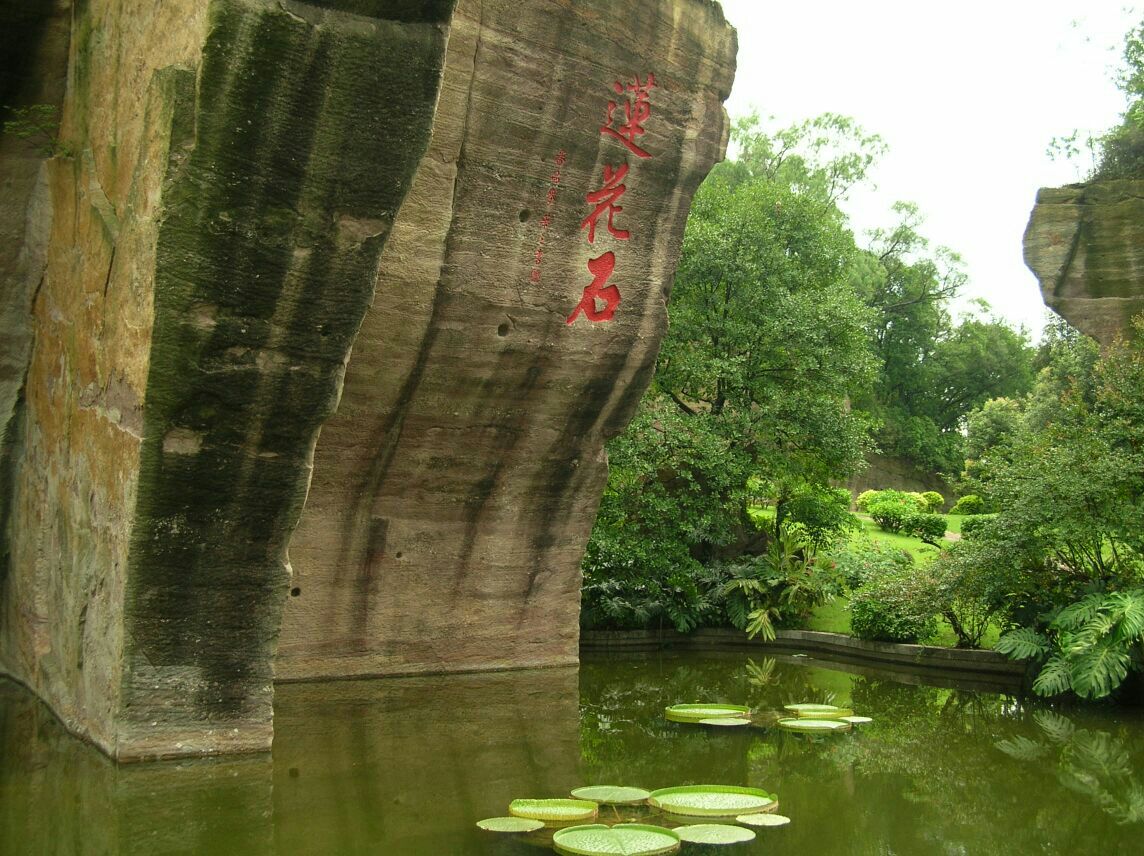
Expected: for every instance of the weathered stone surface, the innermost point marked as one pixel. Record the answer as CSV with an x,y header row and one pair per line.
x,y
33,67
237,166
455,488
885,472
243,184
1085,243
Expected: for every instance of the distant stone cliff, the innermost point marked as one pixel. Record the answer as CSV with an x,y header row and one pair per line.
x,y
320,319
1085,243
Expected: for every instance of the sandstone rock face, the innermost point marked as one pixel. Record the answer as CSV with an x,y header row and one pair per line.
x,y
1085,243
455,487
454,224
237,166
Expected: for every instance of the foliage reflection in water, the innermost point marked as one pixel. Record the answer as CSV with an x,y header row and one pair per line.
x,y
407,766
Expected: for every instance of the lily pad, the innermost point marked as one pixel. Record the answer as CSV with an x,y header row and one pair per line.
x,y
763,819
725,721
554,811
510,824
711,800
696,712
623,839
714,833
856,720
611,794
807,709
814,725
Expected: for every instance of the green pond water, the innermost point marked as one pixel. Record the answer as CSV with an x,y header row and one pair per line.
x,y
407,766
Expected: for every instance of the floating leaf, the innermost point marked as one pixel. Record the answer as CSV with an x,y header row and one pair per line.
x,y
510,824
763,819
611,794
696,712
623,839
856,720
554,810
725,720
841,713
714,833
711,800
814,725
814,708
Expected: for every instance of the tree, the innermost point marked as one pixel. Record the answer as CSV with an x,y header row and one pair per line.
x,y
1069,488
766,344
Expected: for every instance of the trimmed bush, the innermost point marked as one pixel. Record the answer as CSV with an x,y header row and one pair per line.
x,y
971,527
928,527
891,508
862,503
935,502
862,560
971,503
900,606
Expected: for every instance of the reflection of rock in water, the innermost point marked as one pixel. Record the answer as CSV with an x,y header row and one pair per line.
x,y
59,795
425,757
402,766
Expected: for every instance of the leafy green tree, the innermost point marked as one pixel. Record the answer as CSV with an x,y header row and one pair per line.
x,y
766,345
1069,530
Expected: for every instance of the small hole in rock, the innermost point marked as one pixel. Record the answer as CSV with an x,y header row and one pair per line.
x,y
524,215
294,592
397,555
503,329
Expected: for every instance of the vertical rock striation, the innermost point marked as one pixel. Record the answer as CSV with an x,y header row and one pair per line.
x,y
440,233
1085,243
237,167
455,488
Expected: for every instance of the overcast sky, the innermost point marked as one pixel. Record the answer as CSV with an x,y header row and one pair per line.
x,y
967,96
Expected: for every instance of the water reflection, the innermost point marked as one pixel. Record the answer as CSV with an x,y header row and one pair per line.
x,y
406,766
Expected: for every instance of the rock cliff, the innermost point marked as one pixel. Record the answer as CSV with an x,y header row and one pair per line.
x,y
339,302
1085,243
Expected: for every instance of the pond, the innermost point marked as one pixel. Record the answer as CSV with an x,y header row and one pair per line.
x,y
408,765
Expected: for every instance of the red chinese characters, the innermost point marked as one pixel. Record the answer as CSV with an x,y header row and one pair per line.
x,y
546,220
605,199
637,110
601,269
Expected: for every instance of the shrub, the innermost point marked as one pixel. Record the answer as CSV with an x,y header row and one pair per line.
x,y
972,527
935,502
821,513
862,560
928,527
632,583
862,503
972,593
900,606
971,503
891,508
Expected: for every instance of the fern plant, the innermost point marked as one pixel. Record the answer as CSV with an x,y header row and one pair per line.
x,y
1088,648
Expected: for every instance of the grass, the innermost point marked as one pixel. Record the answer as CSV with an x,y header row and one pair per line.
x,y
834,617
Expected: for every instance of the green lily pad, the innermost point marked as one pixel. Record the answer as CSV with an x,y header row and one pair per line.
x,y
562,811
711,800
623,839
725,721
763,819
510,824
856,720
714,833
611,794
814,725
696,712
811,708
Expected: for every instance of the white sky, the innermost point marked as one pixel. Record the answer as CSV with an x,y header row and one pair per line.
x,y
967,96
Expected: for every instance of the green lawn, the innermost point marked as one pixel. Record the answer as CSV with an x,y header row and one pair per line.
x,y
834,617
